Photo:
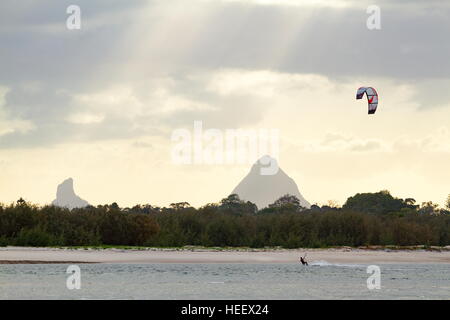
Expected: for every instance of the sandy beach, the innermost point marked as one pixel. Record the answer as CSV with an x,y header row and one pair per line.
x,y
340,255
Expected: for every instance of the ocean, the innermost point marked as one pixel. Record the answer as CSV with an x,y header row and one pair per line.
x,y
319,280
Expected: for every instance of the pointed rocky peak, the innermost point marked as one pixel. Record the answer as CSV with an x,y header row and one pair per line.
x,y
267,182
66,197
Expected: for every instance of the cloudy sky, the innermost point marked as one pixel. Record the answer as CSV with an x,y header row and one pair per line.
x,y
101,103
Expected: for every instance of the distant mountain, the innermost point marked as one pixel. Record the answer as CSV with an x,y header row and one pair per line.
x,y
66,197
263,190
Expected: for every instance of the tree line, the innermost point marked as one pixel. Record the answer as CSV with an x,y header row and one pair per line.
x,y
365,219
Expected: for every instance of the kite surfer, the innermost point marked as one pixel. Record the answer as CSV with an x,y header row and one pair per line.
x,y
303,260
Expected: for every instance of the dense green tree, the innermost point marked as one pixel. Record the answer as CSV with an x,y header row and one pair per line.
x,y
287,203
378,203
429,208
234,205
180,205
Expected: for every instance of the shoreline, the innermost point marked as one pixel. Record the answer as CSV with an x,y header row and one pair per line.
x,y
35,255
42,262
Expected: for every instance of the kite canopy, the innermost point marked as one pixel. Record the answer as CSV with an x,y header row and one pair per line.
x,y
372,97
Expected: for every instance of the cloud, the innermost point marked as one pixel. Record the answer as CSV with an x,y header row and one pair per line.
x,y
9,124
437,141
295,3
126,110
85,118
145,67
371,145
337,142
431,93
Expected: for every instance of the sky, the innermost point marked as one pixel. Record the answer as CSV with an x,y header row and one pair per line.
x,y
101,103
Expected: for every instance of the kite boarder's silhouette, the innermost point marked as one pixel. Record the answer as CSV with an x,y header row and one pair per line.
x,y
303,260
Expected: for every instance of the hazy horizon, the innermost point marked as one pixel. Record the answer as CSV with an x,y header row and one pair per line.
x,y
100,104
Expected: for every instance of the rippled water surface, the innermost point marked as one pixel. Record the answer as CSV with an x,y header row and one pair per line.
x,y
320,280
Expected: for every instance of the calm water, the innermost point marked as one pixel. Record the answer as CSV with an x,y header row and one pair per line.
x,y
225,281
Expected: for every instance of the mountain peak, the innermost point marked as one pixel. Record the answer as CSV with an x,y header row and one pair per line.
x,y
266,166
266,183
66,197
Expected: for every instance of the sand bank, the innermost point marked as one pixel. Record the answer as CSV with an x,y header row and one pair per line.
x,y
341,255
